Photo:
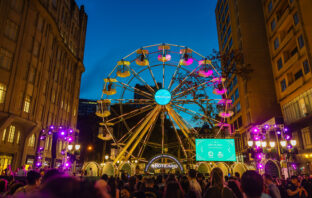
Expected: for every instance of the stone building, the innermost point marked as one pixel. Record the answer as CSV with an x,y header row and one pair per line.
x,y
241,26
41,62
289,32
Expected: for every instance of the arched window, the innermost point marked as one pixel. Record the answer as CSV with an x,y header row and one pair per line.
x,y
3,135
46,146
60,146
31,140
18,138
11,134
50,147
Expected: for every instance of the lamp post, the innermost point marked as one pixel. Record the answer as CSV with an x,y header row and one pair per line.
x,y
265,138
73,151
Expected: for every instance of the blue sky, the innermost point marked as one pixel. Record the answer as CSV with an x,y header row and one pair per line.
x,y
117,27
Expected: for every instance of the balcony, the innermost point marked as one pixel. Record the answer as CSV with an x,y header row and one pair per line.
x,y
292,87
292,60
285,17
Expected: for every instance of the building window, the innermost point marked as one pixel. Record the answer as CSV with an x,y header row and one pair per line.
x,y
306,69
279,64
273,25
2,92
298,74
230,43
238,107
234,81
239,122
283,85
236,94
11,30
3,135
306,137
270,6
300,41
18,138
11,134
5,59
299,107
32,75
276,43
27,104
31,141
296,18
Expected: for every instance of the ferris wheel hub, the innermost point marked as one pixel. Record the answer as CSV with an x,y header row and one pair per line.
x,y
162,97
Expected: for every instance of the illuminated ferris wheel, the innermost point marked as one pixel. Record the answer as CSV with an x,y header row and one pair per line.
x,y
158,97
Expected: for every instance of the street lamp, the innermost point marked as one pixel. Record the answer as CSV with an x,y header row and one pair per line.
x,y
293,142
272,144
70,147
283,143
77,147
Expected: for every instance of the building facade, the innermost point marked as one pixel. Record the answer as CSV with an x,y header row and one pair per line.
x,y
41,62
241,27
289,33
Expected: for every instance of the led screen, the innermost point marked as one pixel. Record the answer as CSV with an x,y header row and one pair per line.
x,y
215,150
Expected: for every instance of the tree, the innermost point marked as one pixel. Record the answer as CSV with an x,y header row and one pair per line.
x,y
193,84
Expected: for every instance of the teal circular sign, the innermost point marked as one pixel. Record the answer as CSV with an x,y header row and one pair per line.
x,y
162,96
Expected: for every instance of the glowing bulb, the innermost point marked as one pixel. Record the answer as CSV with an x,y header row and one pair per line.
x,y
283,143
250,143
263,144
77,146
293,142
70,147
106,157
272,144
258,143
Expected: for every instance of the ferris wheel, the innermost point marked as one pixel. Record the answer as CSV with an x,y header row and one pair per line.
x,y
160,97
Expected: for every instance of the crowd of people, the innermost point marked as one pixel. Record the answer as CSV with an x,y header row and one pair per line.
x,y
55,184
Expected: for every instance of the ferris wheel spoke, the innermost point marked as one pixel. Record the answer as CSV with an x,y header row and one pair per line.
x,y
144,131
178,137
142,80
181,125
186,77
136,133
191,112
138,91
195,100
131,114
174,76
140,153
187,124
190,89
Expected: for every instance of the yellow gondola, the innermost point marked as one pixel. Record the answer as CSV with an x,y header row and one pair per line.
x,y
110,87
142,57
205,68
104,135
103,108
164,55
123,69
226,114
186,57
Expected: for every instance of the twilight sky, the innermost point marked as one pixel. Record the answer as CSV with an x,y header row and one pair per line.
x,y
118,27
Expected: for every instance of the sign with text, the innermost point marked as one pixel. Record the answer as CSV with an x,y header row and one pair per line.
x,y
215,150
